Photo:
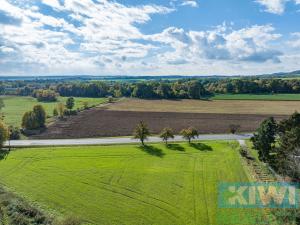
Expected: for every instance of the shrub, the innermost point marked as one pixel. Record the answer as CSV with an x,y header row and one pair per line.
x,y
70,112
61,109
3,134
85,105
233,128
55,112
110,99
14,133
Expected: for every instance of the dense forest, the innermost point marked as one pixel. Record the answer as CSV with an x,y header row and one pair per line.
x,y
149,89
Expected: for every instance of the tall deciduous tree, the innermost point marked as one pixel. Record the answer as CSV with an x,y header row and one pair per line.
x,y
34,119
141,132
40,115
264,138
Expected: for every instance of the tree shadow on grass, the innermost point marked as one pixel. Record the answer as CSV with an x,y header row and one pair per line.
x,y
201,147
175,147
151,150
3,154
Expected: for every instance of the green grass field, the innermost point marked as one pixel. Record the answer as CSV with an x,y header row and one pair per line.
x,y
274,97
127,184
16,106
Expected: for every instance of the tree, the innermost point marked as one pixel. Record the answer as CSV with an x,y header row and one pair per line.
x,y
55,112
34,119
45,95
110,99
141,132
70,103
3,134
233,128
40,115
14,133
264,138
29,121
85,105
166,134
61,110
292,164
189,134
287,154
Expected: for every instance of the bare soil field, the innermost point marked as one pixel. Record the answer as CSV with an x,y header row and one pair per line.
x,y
215,106
99,122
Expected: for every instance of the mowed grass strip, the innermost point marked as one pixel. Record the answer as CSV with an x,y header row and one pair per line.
x,y
128,184
16,106
263,97
209,106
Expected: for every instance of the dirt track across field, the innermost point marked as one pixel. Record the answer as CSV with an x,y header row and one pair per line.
x,y
99,122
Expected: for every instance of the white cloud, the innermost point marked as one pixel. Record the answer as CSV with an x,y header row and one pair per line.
x,y
6,50
295,42
104,37
191,3
222,43
273,6
276,6
55,4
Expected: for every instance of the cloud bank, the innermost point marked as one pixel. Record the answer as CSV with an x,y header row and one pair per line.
x,y
104,37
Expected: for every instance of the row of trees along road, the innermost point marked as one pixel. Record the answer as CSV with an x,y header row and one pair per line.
x,y
142,132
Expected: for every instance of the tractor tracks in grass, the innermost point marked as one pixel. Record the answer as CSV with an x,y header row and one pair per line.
x,y
19,166
140,197
194,190
198,188
136,196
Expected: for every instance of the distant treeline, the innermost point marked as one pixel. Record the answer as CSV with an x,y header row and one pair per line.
x,y
166,89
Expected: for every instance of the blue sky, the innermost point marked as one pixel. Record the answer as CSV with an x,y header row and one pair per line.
x,y
139,37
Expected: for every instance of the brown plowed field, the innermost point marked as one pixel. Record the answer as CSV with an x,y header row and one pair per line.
x,y
100,122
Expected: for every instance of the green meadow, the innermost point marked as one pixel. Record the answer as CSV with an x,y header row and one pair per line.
x,y
16,106
268,97
129,184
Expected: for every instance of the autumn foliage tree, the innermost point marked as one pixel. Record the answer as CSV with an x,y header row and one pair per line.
x,y
3,133
141,132
166,134
189,134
